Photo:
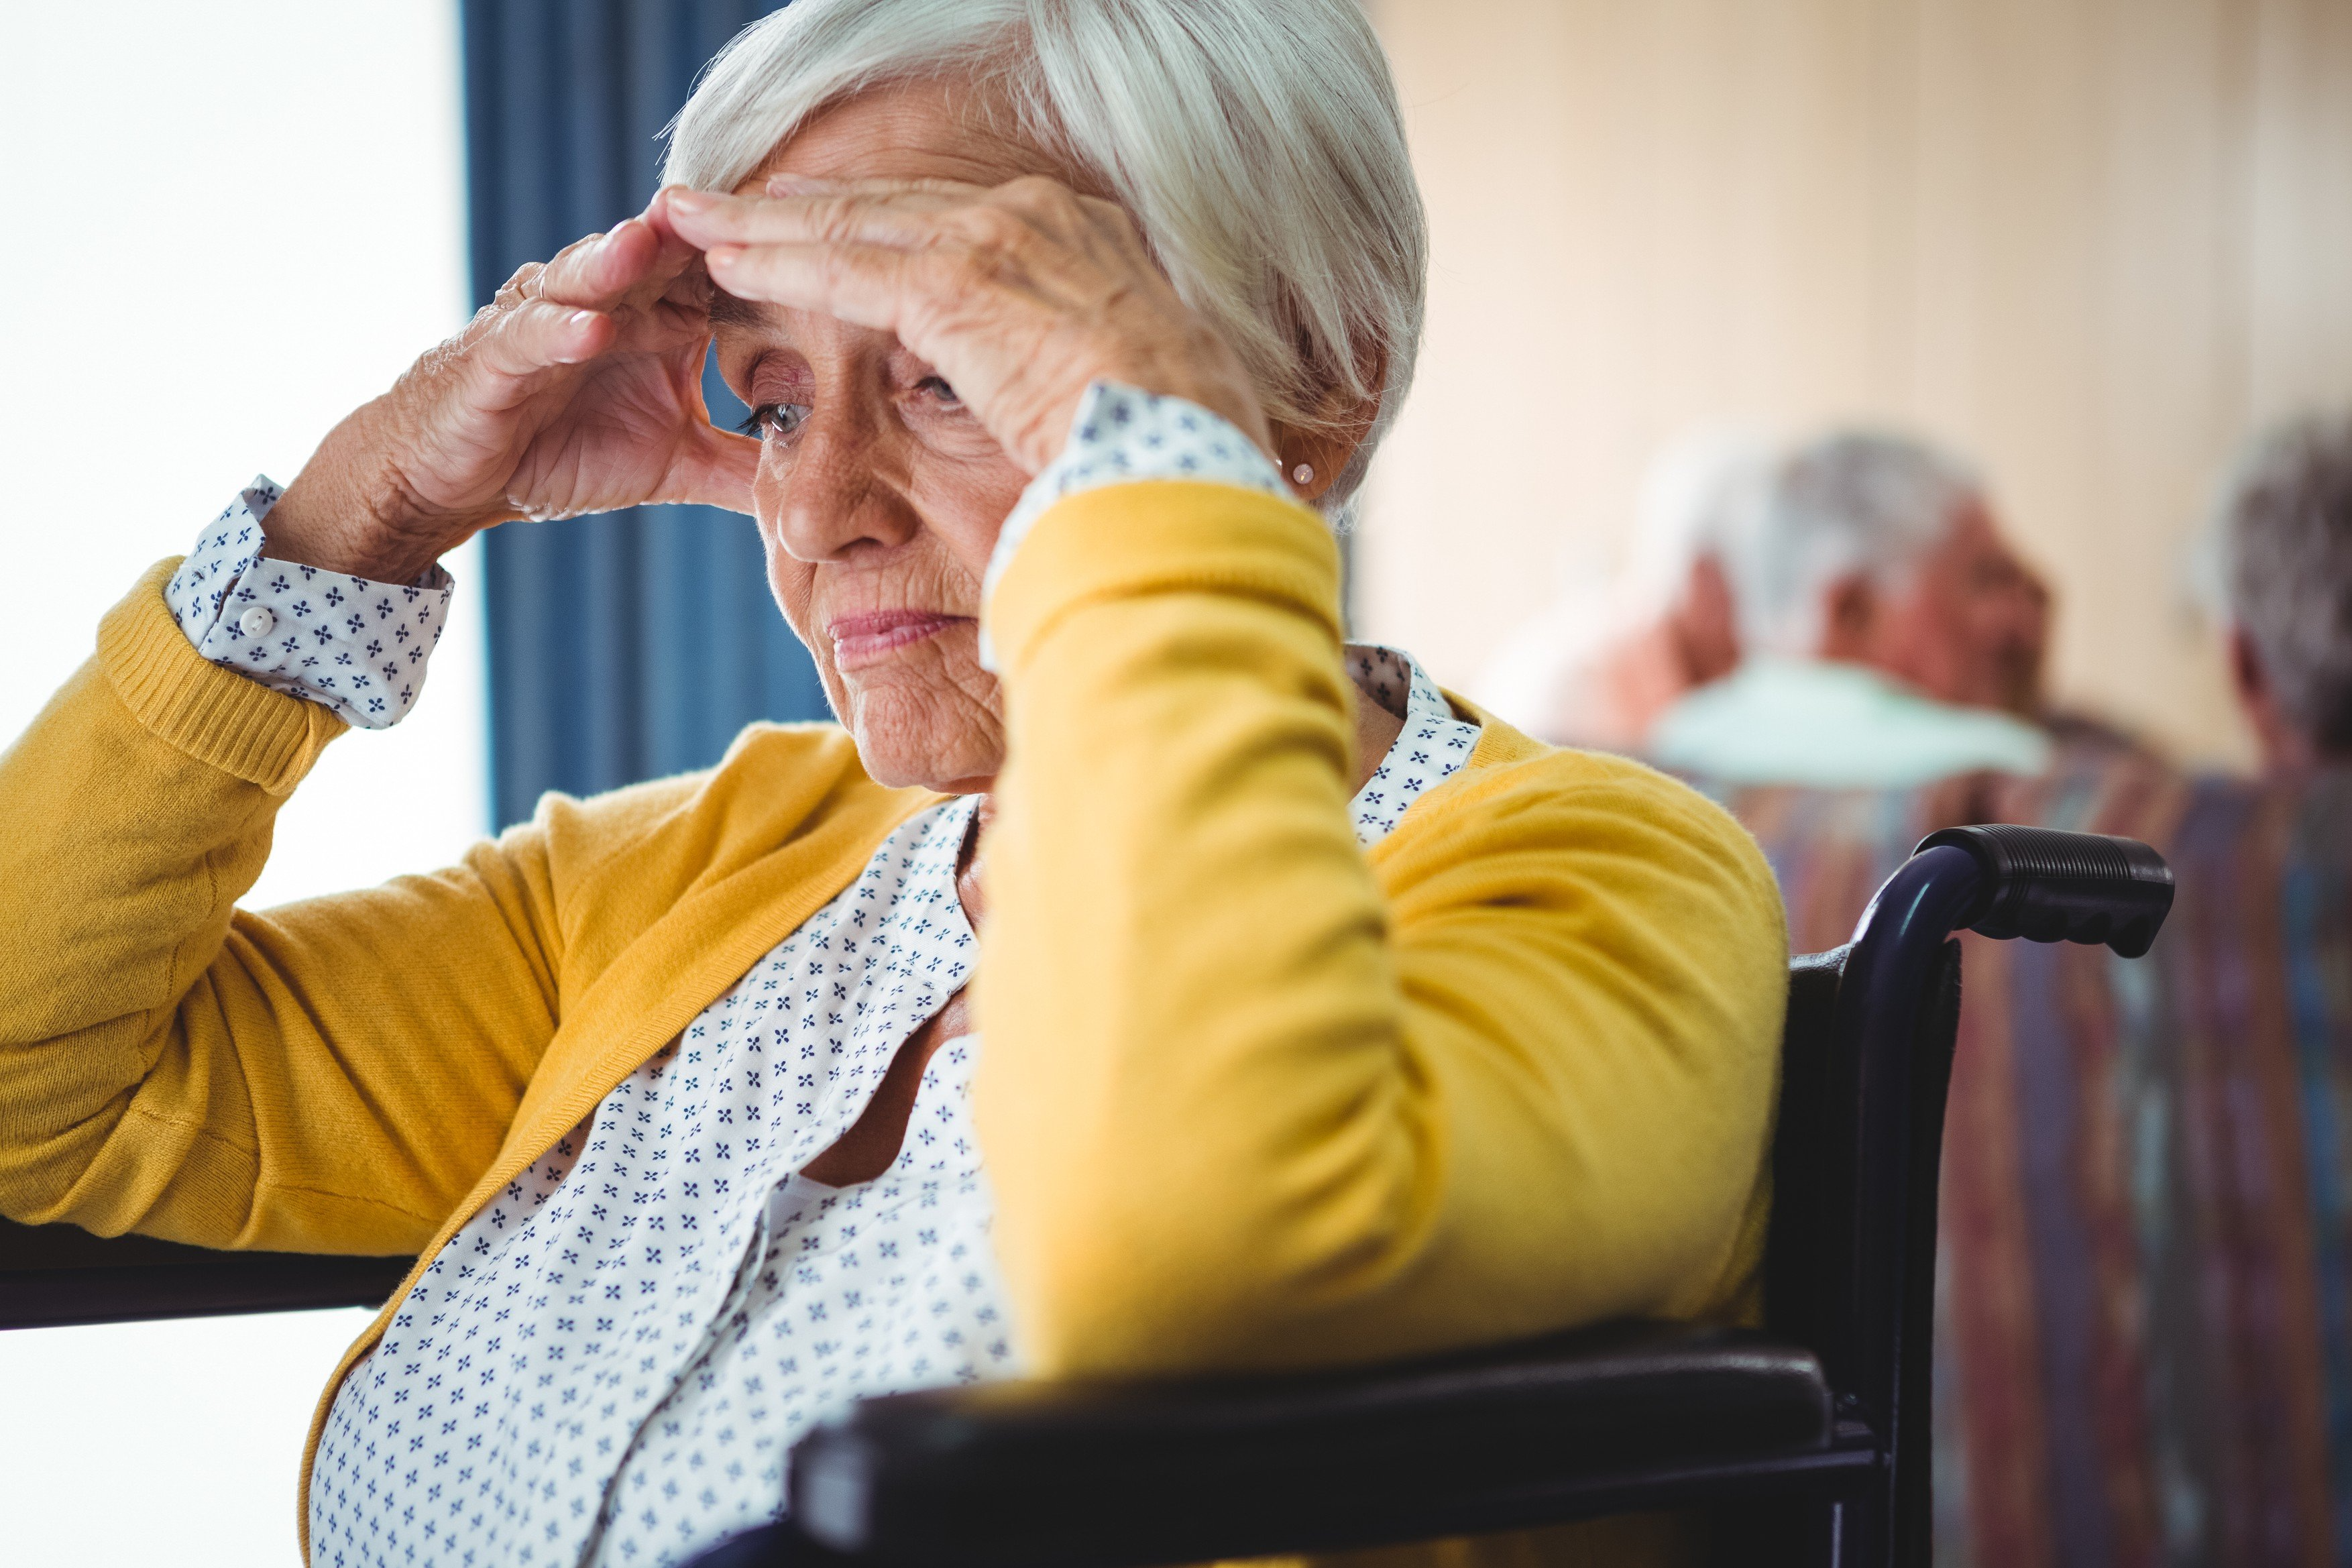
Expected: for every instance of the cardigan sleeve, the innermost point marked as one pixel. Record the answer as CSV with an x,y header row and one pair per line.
x,y
327,1076
1253,1096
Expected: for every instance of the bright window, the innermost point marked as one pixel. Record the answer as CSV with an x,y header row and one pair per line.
x,y
232,224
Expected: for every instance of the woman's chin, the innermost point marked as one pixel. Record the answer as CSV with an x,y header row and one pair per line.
x,y
942,778
912,743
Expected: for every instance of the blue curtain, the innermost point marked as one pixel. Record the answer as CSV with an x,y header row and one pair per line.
x,y
637,643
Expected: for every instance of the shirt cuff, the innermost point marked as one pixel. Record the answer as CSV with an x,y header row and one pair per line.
x,y
354,645
1122,434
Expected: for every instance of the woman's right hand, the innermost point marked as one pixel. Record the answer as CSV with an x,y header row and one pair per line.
x,y
577,389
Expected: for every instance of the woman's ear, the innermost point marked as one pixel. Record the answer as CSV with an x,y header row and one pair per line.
x,y
1312,459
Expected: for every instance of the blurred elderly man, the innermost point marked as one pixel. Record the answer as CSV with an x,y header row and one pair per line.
x,y
1892,637
2287,528
1598,667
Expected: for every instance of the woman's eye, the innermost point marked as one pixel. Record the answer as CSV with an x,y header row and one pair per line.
x,y
775,419
937,387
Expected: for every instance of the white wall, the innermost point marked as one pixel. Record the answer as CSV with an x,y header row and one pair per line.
x,y
2089,242
228,224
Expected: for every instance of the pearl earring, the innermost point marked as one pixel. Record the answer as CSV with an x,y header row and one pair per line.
x,y
1303,475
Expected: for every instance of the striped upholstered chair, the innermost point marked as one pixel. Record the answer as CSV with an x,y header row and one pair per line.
x,y
2144,1346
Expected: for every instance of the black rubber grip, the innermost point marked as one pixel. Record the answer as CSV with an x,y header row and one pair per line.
x,y
2048,886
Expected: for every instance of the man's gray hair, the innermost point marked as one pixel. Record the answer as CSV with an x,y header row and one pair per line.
x,y
1855,502
1257,143
1695,497
2286,532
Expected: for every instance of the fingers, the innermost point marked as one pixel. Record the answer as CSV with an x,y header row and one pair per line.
x,y
523,285
540,335
899,216
865,285
563,311
904,215
718,470
802,185
599,272
636,263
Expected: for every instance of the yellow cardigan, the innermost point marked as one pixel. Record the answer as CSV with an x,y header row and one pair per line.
x,y
1252,1096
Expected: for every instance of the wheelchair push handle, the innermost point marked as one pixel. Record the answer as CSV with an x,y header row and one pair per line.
x,y
2045,885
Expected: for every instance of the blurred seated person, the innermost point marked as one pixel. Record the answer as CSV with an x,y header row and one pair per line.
x,y
1324,1020
2286,534
1598,667
1891,636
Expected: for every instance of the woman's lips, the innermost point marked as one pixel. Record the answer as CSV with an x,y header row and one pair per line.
x,y
863,640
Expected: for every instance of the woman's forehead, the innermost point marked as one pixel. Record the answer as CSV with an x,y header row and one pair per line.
x,y
926,129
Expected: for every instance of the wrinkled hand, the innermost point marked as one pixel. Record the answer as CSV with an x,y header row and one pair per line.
x,y
1019,295
578,389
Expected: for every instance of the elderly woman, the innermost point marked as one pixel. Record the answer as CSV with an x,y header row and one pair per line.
x,y
1324,1018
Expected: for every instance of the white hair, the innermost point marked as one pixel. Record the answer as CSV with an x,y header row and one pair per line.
x,y
1257,143
1696,496
1853,502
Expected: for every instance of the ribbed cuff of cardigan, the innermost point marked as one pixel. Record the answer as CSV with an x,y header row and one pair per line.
x,y
212,714
1162,536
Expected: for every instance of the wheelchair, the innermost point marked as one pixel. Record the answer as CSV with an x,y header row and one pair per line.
x,y
1805,1441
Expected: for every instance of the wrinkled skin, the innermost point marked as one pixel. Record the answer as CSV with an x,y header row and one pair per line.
x,y
913,305
914,302
916,353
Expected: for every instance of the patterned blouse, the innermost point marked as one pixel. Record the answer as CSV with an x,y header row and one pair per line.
x,y
610,1363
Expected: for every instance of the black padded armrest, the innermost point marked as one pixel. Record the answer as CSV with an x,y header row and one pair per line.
x,y
54,1275
1058,1475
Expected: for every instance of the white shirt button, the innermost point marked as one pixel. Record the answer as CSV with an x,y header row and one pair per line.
x,y
257,621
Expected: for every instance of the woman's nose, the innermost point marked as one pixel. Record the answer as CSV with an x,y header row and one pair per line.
x,y
834,503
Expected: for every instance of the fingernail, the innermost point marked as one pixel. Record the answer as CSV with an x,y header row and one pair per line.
x,y
576,321
685,201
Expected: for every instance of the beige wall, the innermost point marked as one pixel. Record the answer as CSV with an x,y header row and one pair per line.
x,y
2089,242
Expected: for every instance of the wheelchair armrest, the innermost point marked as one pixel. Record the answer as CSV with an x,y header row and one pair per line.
x,y
55,1275
1058,1475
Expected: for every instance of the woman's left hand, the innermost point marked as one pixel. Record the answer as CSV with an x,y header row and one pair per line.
x,y
1018,295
